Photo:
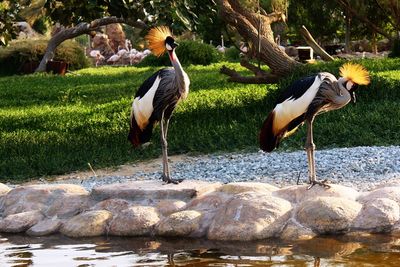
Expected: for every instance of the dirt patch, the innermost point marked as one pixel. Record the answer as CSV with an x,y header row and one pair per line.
x,y
122,170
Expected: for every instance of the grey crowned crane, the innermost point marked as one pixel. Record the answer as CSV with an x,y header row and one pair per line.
x,y
158,96
305,99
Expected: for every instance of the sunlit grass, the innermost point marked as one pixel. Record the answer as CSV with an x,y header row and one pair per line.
x,y
52,124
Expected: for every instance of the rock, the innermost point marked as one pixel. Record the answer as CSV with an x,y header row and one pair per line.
x,y
4,189
295,231
208,202
91,223
168,206
208,205
113,205
134,221
396,229
20,222
240,187
67,206
297,194
182,223
377,215
56,199
328,215
45,227
392,192
249,216
144,190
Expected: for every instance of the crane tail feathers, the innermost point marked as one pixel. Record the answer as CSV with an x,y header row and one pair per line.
x,y
268,140
138,136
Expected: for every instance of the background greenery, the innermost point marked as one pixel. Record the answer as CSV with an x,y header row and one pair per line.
x,y
56,124
13,57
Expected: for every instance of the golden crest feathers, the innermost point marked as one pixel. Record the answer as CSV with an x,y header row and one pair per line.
x,y
156,39
355,73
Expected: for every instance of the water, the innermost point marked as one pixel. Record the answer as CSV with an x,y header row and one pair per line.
x,y
21,250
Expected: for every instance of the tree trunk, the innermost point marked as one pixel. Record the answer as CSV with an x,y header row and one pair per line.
x,y
82,28
347,34
247,23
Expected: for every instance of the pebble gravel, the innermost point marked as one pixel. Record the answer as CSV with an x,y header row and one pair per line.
x,y
362,168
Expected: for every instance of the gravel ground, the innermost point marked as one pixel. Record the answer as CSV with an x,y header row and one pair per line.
x,y
362,168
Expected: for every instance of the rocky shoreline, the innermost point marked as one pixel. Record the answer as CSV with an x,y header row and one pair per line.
x,y
234,211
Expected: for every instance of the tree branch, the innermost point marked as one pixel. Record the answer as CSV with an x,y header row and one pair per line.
x,y
314,45
81,28
234,76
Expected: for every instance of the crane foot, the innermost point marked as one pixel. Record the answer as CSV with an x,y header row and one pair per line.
x,y
323,183
168,180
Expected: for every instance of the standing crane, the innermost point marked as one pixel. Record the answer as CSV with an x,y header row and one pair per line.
x,y
305,99
158,96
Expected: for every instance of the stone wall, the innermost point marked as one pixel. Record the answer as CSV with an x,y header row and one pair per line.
x,y
235,211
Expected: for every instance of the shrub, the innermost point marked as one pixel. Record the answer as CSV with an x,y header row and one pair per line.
x,y
19,52
395,49
152,60
232,54
189,52
196,53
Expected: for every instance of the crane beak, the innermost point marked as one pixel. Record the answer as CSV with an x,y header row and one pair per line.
x,y
174,45
353,97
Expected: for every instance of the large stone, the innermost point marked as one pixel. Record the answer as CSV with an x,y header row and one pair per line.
x,y
57,199
134,221
208,205
182,223
377,215
249,216
240,187
299,193
328,215
145,190
45,227
4,189
20,222
295,231
91,223
113,205
391,192
208,202
169,206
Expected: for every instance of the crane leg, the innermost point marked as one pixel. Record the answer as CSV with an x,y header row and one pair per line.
x,y
164,144
310,148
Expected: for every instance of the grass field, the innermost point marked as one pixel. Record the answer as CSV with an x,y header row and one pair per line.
x,y
53,125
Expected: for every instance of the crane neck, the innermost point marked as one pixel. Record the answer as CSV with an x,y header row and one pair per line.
x,y
179,72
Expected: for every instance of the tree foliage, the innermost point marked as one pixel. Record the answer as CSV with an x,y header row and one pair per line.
x,y
8,14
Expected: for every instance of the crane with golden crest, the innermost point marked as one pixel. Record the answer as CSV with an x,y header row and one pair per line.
x,y
158,96
305,99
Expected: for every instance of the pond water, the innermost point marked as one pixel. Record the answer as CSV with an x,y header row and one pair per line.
x,y
21,250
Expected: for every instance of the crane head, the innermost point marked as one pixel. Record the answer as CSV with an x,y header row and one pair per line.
x,y
160,40
353,76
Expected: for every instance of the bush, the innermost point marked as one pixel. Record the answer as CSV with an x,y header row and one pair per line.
x,y
152,60
232,54
196,53
189,53
13,57
395,49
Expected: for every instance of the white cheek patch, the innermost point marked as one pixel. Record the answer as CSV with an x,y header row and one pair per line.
x,y
143,107
349,85
168,46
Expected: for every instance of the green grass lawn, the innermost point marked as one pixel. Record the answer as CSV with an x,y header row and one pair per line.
x,y
53,125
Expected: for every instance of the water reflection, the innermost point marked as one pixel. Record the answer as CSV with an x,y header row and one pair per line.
x,y
355,250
